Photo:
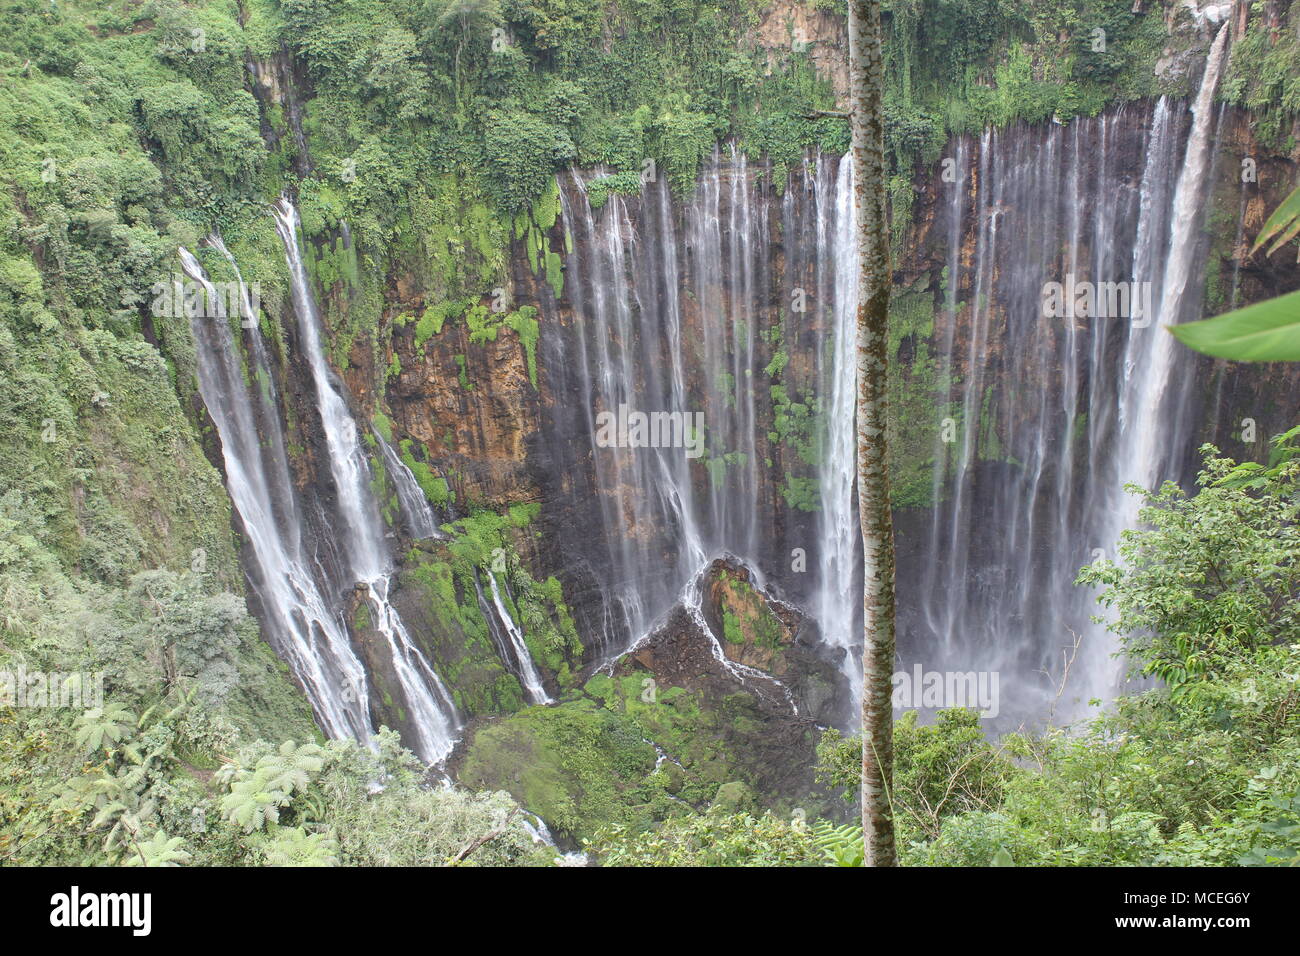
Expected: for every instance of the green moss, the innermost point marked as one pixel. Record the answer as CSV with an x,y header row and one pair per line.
x,y
449,580
746,618
546,211
461,647
586,763
1262,77
600,188
554,265
435,317
525,513
578,766
918,402
385,494
798,425
433,485
484,324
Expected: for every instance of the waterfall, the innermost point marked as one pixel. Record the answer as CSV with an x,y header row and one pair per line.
x,y
1040,418
839,596
432,711
432,714
510,641
421,522
957,190
301,625
1054,414
1029,406
1154,394
364,541
633,355
272,434
1155,352
670,307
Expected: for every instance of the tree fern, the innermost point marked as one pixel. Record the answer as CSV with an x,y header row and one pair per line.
x,y
158,850
101,728
842,845
256,796
293,846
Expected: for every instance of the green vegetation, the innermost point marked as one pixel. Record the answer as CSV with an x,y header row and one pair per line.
x,y
956,67
1267,331
714,838
918,403
579,765
421,139
447,579
142,779
187,689
588,763
1202,770
746,618
434,486
1261,76
799,425
626,184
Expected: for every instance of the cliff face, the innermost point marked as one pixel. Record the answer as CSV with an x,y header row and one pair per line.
x,y
472,406
1052,189
1043,409
725,302
975,344
787,26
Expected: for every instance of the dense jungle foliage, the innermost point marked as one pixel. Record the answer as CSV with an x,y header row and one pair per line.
x,y
1201,770
435,129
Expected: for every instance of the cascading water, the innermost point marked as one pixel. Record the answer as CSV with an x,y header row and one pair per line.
x,y
1020,452
1154,397
509,637
302,625
672,311
629,308
286,503
1037,419
432,714
1034,407
668,313
431,710
1054,414
420,519
840,554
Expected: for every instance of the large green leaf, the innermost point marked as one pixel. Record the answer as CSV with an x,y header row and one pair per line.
x,y
1264,332
1284,224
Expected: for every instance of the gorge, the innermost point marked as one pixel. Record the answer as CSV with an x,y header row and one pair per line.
x,y
647,321
518,417
671,304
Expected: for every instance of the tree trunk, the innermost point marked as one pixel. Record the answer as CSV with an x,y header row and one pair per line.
x,y
866,117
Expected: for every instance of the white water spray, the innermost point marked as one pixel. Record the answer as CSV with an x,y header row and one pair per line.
x,y
303,627
429,705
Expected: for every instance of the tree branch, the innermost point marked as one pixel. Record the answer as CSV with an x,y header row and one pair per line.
x,y
487,837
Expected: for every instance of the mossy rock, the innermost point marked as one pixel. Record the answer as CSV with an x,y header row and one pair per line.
x,y
734,796
578,765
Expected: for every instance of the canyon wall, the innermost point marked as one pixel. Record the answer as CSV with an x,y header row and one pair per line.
x,y
993,523
728,301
